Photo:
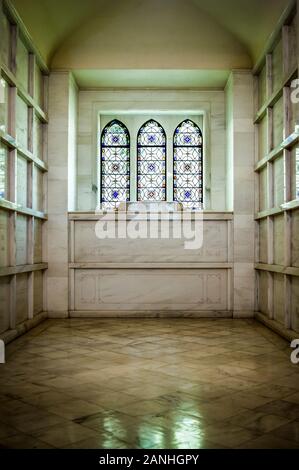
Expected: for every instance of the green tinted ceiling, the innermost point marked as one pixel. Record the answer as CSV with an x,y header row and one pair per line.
x,y
151,79
51,22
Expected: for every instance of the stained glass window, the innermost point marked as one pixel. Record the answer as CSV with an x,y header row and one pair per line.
x,y
151,162
187,165
115,165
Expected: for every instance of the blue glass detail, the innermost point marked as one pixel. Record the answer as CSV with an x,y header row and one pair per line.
x,y
187,165
151,155
115,165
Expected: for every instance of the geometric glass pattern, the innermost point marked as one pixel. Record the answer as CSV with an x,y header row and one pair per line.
x,y
151,162
115,164
187,165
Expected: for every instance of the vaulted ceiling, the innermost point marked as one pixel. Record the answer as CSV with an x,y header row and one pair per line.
x,y
251,21
115,42
244,25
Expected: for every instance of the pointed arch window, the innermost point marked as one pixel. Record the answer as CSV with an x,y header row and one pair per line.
x,y
187,165
151,162
115,164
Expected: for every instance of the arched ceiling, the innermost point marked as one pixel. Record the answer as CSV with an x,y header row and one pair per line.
x,y
51,22
251,21
134,34
91,35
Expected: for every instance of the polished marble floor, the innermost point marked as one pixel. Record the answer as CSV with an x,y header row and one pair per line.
x,y
162,383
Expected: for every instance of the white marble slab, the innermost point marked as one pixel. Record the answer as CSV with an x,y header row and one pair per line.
x,y
150,289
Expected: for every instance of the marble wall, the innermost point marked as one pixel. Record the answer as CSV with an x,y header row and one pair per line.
x,y
61,158
23,177
90,249
222,281
121,292
150,276
240,162
277,206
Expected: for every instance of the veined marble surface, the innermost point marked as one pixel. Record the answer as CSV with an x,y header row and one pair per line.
x,y
150,289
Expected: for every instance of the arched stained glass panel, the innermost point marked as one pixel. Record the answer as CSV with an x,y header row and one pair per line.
x,y
187,165
115,165
151,165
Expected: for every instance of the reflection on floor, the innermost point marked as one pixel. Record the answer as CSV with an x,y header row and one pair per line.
x,y
171,383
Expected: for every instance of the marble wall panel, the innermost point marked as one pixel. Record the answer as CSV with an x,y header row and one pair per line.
x,y
4,238
38,241
278,298
5,40
278,114
37,189
4,304
22,123
39,86
37,292
22,72
21,239
150,290
4,105
262,87
278,232
295,238
38,137
89,248
277,71
263,137
263,189
263,241
263,292
278,178
295,303
294,156
21,298
293,44
22,184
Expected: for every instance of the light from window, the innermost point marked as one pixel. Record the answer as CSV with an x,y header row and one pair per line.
x,y
115,165
187,165
151,156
